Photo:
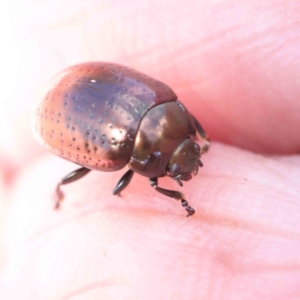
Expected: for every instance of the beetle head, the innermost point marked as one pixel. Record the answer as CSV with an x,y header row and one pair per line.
x,y
185,161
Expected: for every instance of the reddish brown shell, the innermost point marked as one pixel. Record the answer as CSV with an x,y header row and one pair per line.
x,y
92,112
161,131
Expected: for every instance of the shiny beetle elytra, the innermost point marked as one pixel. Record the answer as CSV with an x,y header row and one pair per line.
x,y
104,116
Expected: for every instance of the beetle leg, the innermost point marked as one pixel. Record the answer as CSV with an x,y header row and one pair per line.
x,y
173,194
123,182
75,175
178,179
203,135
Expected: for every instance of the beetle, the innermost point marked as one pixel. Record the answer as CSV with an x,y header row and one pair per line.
x,y
104,116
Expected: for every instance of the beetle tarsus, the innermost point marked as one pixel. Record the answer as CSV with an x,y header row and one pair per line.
x,y
188,208
173,194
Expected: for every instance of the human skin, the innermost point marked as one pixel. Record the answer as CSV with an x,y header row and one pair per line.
x,y
236,67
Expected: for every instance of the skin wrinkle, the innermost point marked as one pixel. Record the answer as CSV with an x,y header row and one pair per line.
x,y
232,266
251,164
237,265
289,161
72,19
262,140
274,50
238,223
239,178
209,218
232,125
234,258
268,268
259,187
227,121
134,214
281,175
93,286
183,50
270,57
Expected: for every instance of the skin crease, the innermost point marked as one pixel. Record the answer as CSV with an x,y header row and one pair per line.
x,y
236,67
